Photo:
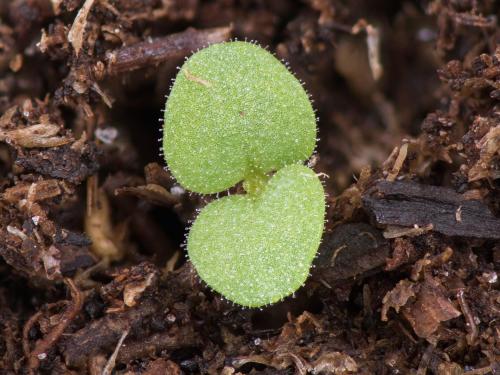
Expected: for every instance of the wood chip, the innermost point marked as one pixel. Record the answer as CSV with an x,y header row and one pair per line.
x,y
39,135
77,31
416,206
171,47
398,163
350,250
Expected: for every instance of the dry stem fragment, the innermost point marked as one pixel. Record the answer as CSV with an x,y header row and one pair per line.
x,y
43,345
99,228
132,291
159,50
105,97
398,163
373,45
110,365
37,191
471,324
39,135
395,231
26,330
76,33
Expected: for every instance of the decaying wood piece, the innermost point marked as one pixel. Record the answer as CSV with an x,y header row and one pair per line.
x,y
425,305
42,346
74,166
408,204
174,339
104,333
351,250
156,51
39,135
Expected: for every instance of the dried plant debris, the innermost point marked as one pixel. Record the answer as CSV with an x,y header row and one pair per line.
x,y
92,274
436,208
154,52
423,305
350,251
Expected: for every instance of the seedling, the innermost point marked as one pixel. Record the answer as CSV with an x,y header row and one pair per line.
x,y
236,114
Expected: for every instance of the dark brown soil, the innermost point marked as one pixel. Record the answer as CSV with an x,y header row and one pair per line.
x,y
92,272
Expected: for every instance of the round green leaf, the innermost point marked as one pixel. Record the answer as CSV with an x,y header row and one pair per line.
x,y
233,111
257,249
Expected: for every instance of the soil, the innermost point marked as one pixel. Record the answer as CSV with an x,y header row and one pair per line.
x,y
93,278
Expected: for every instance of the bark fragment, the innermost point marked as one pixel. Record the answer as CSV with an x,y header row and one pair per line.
x,y
410,204
351,250
172,47
61,162
104,333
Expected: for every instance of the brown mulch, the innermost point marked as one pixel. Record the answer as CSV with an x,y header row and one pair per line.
x,y
93,278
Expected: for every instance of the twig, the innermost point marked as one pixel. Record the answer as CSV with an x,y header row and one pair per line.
x,y
42,346
398,163
26,330
373,45
76,33
110,365
395,231
471,324
31,322
156,51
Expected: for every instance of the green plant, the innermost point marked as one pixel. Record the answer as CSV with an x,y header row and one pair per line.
x,y
235,113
